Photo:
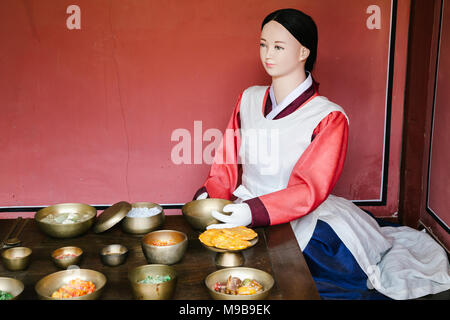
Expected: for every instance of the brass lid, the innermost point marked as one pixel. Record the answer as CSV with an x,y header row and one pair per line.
x,y
111,216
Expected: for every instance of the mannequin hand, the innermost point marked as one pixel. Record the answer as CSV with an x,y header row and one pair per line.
x,y
202,196
241,215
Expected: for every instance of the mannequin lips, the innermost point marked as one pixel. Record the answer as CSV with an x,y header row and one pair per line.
x,y
269,65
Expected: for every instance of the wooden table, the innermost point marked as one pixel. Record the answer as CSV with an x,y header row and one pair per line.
x,y
276,252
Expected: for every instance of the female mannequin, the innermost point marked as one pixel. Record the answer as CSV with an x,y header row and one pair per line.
x,y
348,252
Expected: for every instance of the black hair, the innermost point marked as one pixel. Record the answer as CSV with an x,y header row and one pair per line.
x,y
301,26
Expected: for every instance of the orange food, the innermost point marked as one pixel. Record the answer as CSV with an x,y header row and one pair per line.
x,y
162,243
228,238
75,288
242,233
208,237
246,290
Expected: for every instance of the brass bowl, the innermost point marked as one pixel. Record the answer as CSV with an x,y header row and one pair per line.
x,y
169,254
149,291
52,282
67,261
142,225
113,255
198,212
265,279
17,258
58,230
13,286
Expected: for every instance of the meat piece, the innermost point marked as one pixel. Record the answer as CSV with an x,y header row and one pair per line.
x,y
233,284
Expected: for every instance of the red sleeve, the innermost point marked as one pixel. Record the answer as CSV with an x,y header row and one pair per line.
x,y
223,175
312,179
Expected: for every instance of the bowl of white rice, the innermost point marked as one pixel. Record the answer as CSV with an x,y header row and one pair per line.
x,y
143,217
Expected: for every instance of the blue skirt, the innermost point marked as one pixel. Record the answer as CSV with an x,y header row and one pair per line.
x,y
334,269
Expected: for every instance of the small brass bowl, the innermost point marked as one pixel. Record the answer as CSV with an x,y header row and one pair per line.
x,y
67,261
113,255
142,225
58,230
52,282
265,279
198,212
168,254
12,286
149,291
17,258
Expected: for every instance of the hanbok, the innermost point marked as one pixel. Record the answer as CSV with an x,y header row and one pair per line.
x,y
285,166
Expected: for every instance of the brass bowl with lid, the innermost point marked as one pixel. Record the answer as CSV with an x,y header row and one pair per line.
x,y
111,216
143,225
59,230
198,212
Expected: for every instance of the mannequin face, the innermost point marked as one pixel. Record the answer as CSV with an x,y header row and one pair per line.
x,y
281,54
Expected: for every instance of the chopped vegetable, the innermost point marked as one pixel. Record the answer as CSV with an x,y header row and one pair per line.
x,y
75,288
5,295
155,280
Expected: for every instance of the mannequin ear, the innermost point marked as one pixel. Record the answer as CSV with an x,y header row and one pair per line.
x,y
304,53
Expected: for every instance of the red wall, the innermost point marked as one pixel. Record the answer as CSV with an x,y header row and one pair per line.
x,y
435,214
87,115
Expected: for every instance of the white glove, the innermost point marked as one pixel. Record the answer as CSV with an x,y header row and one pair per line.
x,y
202,196
241,215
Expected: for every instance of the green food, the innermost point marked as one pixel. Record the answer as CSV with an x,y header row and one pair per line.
x,y
246,282
155,280
5,295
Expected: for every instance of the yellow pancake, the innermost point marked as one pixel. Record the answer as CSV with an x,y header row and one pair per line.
x,y
228,239
242,233
224,241
208,236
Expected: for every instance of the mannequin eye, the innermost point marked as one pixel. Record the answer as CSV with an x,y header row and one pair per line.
x,y
279,48
262,45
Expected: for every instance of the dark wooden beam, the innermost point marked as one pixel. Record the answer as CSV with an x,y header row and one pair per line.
x,y
417,94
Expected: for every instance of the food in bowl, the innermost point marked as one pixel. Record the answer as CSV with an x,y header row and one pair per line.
x,y
162,243
4,295
236,286
75,288
112,254
66,217
236,238
164,254
155,279
143,212
66,256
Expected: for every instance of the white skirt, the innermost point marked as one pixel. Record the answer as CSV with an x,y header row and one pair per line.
x,y
400,262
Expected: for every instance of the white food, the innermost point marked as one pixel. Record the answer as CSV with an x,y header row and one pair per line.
x,y
65,218
143,212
